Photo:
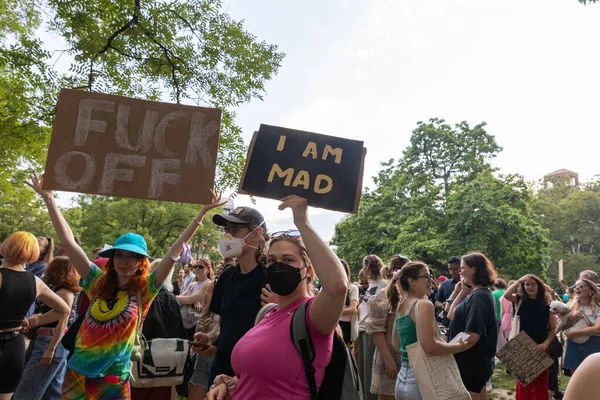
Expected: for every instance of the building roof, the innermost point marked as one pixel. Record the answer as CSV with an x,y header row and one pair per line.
x,y
561,172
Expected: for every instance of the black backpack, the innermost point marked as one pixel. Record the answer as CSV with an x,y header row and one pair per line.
x,y
341,380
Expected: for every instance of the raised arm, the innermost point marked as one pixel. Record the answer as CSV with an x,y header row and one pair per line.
x,y
168,261
329,303
194,297
511,292
76,254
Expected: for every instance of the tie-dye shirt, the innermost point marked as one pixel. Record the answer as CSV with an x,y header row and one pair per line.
x,y
105,339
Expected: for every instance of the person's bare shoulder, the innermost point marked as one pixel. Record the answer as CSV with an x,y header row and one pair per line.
x,y
585,383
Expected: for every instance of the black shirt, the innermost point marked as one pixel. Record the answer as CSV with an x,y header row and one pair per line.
x,y
534,319
444,292
236,299
164,317
476,314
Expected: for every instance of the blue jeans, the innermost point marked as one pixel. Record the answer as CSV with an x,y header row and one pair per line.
x,y
406,383
39,381
576,353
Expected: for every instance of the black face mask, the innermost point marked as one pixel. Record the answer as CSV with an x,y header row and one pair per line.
x,y
283,278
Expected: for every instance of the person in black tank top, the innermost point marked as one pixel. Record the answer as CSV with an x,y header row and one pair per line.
x,y
45,370
18,291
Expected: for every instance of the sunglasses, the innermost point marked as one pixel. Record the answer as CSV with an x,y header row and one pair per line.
x,y
199,266
580,286
290,233
232,228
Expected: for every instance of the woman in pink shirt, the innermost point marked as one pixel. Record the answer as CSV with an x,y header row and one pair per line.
x,y
507,314
265,361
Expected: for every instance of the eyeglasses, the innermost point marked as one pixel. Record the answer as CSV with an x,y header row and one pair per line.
x,y
290,233
428,276
580,286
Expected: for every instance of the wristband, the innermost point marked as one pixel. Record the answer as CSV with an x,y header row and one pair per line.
x,y
173,258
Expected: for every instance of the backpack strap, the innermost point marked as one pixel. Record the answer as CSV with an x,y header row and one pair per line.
x,y
301,339
263,311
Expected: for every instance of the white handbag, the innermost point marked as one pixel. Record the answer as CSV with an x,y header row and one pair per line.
x,y
438,377
516,323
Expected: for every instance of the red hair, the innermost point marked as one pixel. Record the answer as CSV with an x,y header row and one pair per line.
x,y
60,274
109,283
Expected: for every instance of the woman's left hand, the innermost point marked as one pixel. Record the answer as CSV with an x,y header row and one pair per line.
x,y
47,356
541,348
215,202
299,208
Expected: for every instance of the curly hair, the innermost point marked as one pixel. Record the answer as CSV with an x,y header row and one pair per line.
x,y
542,296
109,283
60,274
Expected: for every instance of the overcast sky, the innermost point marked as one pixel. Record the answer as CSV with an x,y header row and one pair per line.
x,y
370,69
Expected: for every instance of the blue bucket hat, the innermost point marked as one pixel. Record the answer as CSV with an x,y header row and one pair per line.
x,y
131,242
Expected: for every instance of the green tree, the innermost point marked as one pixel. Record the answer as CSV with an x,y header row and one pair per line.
x,y
420,203
99,220
189,50
572,216
493,215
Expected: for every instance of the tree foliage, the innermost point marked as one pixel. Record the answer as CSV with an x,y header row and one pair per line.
x,y
442,199
572,216
188,51
99,220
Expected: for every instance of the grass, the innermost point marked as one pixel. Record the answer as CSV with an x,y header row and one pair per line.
x,y
504,384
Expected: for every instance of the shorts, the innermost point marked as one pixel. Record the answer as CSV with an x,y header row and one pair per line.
x,y
202,371
12,361
576,353
77,386
406,383
475,374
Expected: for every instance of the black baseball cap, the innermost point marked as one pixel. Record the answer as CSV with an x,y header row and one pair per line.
x,y
241,215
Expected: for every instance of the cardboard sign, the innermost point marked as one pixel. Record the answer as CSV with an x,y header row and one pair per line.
x,y
561,270
520,359
325,170
117,146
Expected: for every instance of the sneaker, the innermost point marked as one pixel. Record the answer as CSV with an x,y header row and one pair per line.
x,y
488,386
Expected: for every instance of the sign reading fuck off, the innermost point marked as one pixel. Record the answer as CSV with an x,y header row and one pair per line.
x,y
118,146
326,170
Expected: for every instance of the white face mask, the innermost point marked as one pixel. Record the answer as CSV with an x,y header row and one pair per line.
x,y
232,247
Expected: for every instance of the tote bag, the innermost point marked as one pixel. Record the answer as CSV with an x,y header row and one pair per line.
x,y
438,377
516,323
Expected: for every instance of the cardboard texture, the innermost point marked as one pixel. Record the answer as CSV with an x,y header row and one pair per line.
x,y
520,359
118,146
561,270
326,170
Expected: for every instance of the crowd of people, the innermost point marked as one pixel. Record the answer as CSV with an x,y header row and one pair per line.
x,y
88,319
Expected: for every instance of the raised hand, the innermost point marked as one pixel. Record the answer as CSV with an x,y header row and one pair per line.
x,y
215,202
299,207
36,184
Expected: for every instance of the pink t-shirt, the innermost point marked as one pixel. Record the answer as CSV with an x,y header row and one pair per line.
x,y
267,363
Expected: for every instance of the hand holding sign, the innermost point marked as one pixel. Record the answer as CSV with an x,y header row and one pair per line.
x,y
325,170
36,184
299,208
